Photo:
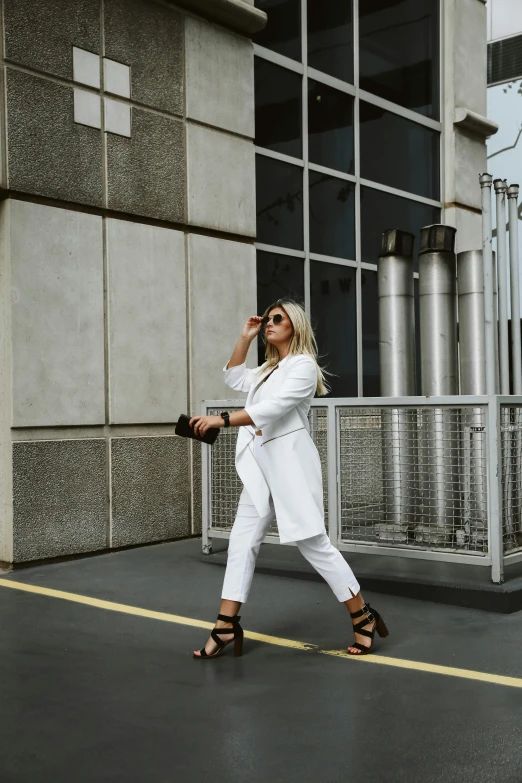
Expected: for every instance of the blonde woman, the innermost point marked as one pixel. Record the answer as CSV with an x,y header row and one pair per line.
x,y
280,468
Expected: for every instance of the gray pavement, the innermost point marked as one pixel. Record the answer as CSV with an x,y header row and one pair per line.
x,y
94,695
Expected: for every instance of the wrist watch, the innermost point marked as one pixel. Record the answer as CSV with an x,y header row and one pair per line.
x,y
225,415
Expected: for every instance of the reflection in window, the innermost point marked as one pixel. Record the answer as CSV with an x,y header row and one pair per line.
x,y
330,127
283,29
278,276
333,303
399,52
382,211
332,216
409,157
370,334
278,108
330,37
279,195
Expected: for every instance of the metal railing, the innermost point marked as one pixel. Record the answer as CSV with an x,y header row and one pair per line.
x,y
435,478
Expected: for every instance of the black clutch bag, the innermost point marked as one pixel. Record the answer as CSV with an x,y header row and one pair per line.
x,y
184,429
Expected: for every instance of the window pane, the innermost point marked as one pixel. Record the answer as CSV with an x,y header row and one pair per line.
x,y
277,276
332,216
333,300
330,37
279,195
330,127
370,334
382,211
278,108
409,160
399,52
283,30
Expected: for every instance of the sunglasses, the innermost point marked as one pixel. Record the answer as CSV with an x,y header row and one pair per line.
x,y
276,319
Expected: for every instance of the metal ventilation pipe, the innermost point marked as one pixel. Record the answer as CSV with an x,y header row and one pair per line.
x,y
516,347
397,365
486,181
472,350
438,441
500,186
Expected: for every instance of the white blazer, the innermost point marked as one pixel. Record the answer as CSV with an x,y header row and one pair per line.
x,y
292,468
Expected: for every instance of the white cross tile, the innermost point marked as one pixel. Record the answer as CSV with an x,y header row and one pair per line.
x,y
86,67
117,78
87,108
117,117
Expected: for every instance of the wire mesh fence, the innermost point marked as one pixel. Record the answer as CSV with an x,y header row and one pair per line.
x,y
511,476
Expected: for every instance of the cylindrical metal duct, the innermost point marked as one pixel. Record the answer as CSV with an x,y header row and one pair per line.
x,y
438,439
472,349
503,338
516,347
494,277
491,320
397,364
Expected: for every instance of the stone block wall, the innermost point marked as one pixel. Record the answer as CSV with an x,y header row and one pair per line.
x,y
127,263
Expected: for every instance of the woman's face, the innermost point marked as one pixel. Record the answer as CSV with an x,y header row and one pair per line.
x,y
278,334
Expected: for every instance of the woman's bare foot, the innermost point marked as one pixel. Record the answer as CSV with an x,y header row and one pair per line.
x,y
211,645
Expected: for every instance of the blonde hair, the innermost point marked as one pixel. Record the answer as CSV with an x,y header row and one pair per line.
x,y
302,341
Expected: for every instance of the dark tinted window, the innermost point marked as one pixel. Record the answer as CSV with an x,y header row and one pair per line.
x,y
399,52
398,152
381,211
330,37
279,196
370,334
283,30
278,108
333,302
277,276
332,216
330,127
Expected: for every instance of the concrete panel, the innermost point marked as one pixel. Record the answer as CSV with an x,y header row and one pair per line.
x,y
149,38
147,317
470,162
57,317
221,181
469,228
48,153
41,33
470,55
219,77
197,498
6,451
150,490
147,172
59,498
223,276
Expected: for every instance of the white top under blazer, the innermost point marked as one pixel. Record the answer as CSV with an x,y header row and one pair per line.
x,y
292,468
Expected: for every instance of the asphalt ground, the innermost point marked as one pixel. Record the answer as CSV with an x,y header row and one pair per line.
x,y
98,681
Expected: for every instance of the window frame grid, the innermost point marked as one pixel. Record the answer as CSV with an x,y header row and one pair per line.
x,y
357,94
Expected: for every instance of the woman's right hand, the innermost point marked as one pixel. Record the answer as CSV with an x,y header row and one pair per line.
x,y
252,327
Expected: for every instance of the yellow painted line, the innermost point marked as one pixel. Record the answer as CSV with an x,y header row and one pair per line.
x,y
401,663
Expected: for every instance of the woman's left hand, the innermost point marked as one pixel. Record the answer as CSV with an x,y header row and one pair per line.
x,y
202,424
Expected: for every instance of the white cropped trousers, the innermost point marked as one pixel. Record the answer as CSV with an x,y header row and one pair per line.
x,y
246,537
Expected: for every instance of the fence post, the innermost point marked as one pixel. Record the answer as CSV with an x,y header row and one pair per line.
x,y
496,539
332,473
206,543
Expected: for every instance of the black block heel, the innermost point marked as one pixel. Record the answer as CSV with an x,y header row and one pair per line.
x,y
238,638
370,616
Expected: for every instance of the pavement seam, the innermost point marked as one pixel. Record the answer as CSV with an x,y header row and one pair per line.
x,y
402,663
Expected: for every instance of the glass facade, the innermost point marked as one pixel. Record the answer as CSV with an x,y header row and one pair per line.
x,y
348,145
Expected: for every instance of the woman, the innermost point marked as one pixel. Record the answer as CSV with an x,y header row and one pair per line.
x,y
280,468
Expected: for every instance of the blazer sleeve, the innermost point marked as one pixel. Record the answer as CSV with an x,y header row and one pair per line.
x,y
239,378
300,384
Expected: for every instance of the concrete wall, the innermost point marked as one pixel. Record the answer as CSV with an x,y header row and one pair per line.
x,y
126,246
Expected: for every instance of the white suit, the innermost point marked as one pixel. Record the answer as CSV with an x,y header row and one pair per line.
x,y
281,474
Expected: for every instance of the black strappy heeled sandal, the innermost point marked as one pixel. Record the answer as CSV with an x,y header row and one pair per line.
x,y
238,638
370,616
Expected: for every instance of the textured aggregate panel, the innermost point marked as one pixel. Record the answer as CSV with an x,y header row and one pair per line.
x,y
150,490
57,316
149,38
48,153
197,499
59,498
147,171
41,33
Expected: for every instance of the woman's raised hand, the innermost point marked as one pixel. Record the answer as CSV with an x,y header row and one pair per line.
x,y
252,327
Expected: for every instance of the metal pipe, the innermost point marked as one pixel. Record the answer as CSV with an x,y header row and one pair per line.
x,y
438,441
516,347
494,277
397,365
500,186
487,249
